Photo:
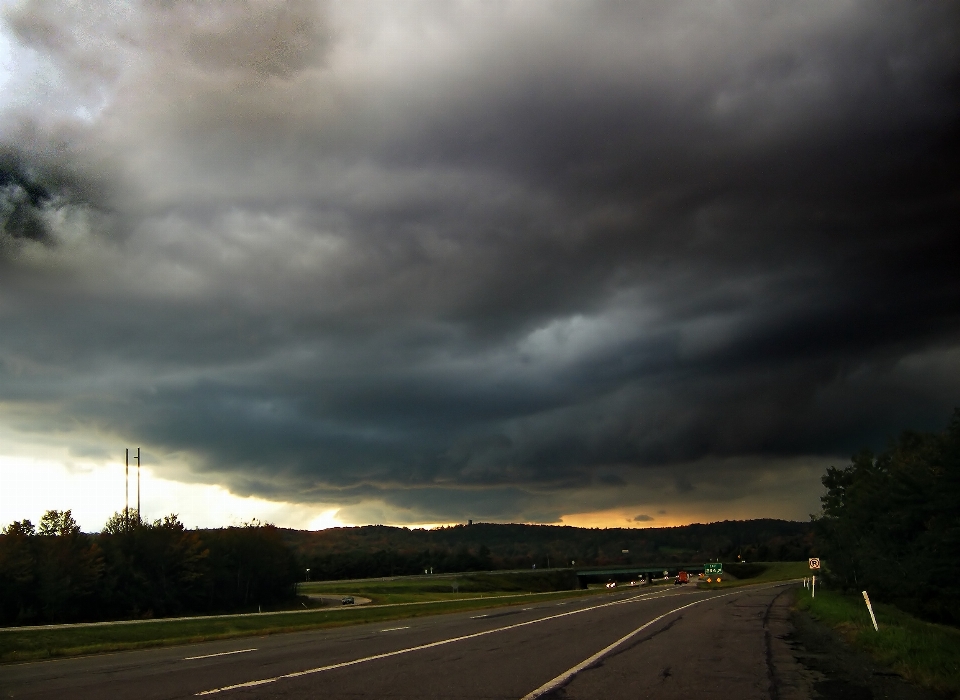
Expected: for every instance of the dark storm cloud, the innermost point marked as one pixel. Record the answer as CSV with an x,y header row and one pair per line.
x,y
33,196
489,257
21,202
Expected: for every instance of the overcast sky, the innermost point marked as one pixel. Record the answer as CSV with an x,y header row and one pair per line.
x,y
606,263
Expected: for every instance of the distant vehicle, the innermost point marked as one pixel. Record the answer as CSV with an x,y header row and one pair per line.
x,y
681,578
612,584
346,600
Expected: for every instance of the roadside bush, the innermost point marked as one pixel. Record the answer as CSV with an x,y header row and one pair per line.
x,y
891,524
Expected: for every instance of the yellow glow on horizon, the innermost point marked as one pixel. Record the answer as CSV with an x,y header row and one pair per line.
x,y
676,516
326,519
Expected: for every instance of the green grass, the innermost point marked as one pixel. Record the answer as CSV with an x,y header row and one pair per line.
x,y
773,571
923,652
25,644
423,588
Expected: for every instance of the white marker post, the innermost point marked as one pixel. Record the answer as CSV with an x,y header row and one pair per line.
x,y
870,608
814,566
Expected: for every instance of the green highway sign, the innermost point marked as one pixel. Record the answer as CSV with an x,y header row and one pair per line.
x,y
713,568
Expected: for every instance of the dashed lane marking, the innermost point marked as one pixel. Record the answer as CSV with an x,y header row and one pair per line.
x,y
222,653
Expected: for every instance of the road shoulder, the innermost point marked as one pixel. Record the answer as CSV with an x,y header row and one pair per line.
x,y
810,657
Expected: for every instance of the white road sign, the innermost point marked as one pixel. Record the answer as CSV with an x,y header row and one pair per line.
x,y
814,563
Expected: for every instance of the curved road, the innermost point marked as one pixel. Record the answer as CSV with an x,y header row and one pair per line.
x,y
664,643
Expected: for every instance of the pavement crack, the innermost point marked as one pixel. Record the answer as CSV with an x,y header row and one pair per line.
x,y
768,643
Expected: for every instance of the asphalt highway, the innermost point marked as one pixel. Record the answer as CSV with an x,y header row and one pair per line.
x,y
663,643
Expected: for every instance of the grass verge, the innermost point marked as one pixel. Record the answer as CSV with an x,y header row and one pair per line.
x,y
27,644
924,653
465,586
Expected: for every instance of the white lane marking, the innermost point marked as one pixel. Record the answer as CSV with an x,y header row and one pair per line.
x,y
476,617
564,677
394,629
343,664
222,653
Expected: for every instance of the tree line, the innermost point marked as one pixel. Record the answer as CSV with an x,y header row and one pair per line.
x,y
378,550
138,569
890,523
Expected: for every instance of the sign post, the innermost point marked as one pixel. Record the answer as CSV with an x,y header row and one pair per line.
x,y
814,566
713,568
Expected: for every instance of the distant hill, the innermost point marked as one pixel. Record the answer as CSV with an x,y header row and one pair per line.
x,y
379,550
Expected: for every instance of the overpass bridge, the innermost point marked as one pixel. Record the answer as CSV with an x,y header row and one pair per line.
x,y
630,573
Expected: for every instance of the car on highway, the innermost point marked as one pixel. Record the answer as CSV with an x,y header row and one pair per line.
x,y
346,600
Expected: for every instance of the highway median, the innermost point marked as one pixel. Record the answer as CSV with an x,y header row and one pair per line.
x,y
19,644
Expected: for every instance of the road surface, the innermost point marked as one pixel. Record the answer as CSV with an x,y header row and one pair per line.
x,y
668,643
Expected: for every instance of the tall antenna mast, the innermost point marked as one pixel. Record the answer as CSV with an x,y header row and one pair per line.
x,y
126,492
138,485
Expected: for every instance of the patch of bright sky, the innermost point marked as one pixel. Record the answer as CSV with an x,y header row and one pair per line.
x,y
27,77
6,59
573,339
94,491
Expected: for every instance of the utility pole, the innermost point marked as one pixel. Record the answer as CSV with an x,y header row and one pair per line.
x,y
126,489
138,485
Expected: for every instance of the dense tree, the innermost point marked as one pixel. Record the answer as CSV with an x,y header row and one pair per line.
x,y
18,572
250,565
69,567
154,569
891,523
135,568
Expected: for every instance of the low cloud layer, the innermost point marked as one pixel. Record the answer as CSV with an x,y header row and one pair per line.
x,y
425,260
